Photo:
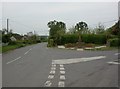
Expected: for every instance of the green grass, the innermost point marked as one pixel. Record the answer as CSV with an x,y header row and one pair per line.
x,y
0,49
11,47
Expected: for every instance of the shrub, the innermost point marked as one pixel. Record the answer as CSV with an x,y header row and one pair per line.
x,y
86,38
114,42
50,43
94,38
68,38
12,43
38,41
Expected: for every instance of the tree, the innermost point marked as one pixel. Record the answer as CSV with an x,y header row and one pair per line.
x,y
56,29
6,35
115,29
81,27
4,31
56,26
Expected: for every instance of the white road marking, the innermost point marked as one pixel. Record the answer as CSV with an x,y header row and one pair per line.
x,y
62,68
61,84
13,60
48,84
80,49
53,65
62,77
62,47
26,52
72,48
61,65
76,60
62,72
52,72
50,76
30,49
116,53
53,68
116,63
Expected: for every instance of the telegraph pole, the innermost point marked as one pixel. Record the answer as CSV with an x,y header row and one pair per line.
x,y
7,25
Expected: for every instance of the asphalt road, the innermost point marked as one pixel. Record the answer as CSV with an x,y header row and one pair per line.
x,y
32,66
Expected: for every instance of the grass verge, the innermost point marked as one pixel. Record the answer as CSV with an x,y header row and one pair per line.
x,y
0,49
11,47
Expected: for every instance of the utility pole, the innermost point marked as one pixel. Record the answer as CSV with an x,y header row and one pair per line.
x,y
7,25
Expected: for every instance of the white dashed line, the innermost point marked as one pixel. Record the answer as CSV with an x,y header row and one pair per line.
x,y
116,53
52,72
53,68
115,63
18,57
13,60
61,65
62,72
62,77
50,76
30,49
54,65
61,84
26,52
62,68
48,84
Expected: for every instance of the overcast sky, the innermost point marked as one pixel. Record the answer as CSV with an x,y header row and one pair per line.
x,y
28,16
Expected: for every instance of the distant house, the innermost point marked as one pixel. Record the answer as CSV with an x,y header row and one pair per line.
x,y
13,38
17,36
25,37
30,34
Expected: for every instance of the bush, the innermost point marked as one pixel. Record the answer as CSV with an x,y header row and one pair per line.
x,y
86,38
114,42
38,41
68,38
94,38
12,43
51,43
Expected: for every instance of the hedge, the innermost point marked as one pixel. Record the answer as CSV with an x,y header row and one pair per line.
x,y
87,38
114,42
67,38
94,38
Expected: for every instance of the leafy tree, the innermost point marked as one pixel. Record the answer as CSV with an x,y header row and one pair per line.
x,y
4,31
56,26
81,27
115,29
6,35
56,29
